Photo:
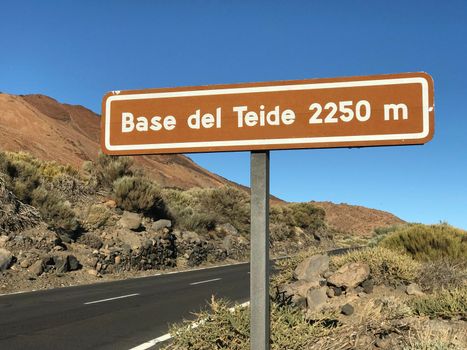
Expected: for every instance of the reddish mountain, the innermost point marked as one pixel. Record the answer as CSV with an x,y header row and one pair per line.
x,y
355,219
70,134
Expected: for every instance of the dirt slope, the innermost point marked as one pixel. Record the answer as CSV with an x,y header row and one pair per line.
x,y
355,219
70,134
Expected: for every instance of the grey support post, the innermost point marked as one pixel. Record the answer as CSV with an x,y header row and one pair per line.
x,y
259,255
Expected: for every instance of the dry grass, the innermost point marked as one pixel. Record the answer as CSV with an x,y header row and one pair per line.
x,y
444,304
221,328
424,336
442,274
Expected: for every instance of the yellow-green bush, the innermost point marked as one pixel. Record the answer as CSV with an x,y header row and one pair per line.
x,y
285,217
303,215
445,303
201,209
429,242
386,266
138,194
31,180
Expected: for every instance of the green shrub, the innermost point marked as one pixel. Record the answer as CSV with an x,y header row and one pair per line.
x,y
386,266
201,209
230,205
445,303
106,169
429,242
56,212
138,194
285,217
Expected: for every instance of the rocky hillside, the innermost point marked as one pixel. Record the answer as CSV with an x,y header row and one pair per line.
x,y
69,134
355,219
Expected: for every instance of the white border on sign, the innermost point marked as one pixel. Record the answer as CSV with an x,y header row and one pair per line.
x,y
265,142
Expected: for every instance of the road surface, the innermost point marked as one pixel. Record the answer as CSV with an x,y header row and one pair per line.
x,y
114,315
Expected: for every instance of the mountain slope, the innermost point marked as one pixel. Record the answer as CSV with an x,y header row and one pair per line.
x,y
355,219
70,134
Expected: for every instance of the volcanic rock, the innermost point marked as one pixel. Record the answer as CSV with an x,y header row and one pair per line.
x,y
350,275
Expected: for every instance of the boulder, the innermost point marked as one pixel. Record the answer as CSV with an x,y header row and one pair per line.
x,y
3,240
5,259
37,268
227,243
414,289
347,309
25,263
134,241
316,299
93,272
73,263
111,204
350,275
227,229
191,237
160,224
367,286
131,221
337,291
61,264
299,289
312,267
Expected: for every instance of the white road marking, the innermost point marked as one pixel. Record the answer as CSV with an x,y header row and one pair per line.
x,y
168,336
109,299
206,281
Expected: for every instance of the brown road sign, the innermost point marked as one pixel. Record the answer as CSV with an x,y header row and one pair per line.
x,y
395,109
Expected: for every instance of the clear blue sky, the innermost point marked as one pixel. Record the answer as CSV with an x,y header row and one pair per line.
x,y
75,51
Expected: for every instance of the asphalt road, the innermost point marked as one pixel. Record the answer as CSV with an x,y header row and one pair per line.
x,y
116,315
83,317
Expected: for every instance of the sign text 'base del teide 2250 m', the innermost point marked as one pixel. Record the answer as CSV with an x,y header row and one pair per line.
x,y
395,109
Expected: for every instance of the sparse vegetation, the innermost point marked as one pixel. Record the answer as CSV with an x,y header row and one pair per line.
x,y
221,328
386,266
442,274
429,242
446,304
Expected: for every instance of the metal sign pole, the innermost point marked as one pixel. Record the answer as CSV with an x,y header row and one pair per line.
x,y
259,255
